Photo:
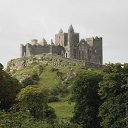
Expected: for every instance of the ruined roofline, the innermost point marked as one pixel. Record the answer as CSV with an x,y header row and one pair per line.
x,y
72,46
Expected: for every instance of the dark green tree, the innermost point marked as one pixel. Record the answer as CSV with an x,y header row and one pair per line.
x,y
114,93
9,88
87,100
35,100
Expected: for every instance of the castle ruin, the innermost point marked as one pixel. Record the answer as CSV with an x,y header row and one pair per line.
x,y
67,45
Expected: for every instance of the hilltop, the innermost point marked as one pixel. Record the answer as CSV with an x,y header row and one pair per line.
x,y
52,72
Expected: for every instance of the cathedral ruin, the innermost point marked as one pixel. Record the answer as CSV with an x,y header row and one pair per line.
x,y
67,45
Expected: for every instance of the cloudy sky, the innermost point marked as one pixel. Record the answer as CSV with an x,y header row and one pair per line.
x,y
23,20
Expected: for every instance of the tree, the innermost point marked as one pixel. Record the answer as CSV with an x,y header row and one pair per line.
x,y
87,100
114,93
9,87
25,120
35,99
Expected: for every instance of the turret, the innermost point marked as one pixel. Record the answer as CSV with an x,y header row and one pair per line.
x,y
22,50
28,49
96,44
42,42
61,31
34,41
71,29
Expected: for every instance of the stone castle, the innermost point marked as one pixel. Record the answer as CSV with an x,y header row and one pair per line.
x,y
67,45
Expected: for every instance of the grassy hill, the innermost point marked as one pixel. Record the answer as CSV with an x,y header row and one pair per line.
x,y
57,79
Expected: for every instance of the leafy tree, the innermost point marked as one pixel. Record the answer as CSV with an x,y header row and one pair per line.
x,y
35,99
9,87
87,100
114,93
25,120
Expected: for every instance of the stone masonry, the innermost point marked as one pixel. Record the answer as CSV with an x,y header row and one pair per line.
x,y
67,45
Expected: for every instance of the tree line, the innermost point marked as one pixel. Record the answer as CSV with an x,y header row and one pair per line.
x,y
102,97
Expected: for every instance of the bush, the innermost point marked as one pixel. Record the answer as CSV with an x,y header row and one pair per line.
x,y
19,120
25,120
53,98
30,80
34,99
9,88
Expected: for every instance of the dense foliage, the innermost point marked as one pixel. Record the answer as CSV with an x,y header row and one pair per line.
x,y
35,100
100,97
25,120
9,88
109,95
114,93
87,100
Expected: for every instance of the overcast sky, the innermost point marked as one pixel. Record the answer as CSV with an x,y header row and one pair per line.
x,y
23,20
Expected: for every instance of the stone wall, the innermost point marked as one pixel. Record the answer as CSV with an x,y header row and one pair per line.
x,y
67,45
48,59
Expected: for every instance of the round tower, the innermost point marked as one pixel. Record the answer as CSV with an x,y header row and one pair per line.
x,y
70,42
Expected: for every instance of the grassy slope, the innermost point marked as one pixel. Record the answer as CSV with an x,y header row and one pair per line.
x,y
63,109
50,80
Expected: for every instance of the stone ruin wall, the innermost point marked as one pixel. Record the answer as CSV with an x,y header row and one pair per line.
x,y
48,59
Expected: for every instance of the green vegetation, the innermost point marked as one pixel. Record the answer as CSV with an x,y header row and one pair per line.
x,y
63,109
114,94
85,95
35,100
25,120
49,79
64,97
57,80
9,88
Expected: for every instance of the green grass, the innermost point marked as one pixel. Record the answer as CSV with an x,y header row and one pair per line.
x,y
69,69
49,79
29,70
63,109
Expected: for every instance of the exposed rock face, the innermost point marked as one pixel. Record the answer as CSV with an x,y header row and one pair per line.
x,y
48,59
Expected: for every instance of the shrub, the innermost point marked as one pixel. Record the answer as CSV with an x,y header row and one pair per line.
x,y
32,80
9,88
53,98
34,99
